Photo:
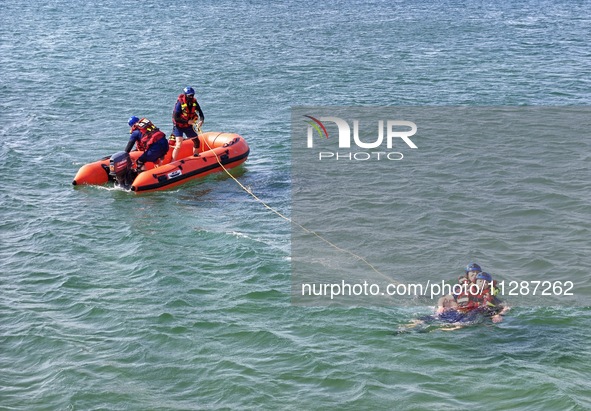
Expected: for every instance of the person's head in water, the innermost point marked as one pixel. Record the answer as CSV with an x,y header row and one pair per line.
x,y
483,281
472,271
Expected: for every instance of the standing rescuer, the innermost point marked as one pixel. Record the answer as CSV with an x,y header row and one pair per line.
x,y
186,113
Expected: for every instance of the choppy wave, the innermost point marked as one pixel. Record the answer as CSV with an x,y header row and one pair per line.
x,y
181,299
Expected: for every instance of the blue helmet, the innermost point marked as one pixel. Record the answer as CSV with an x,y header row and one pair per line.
x,y
132,120
473,267
484,276
189,91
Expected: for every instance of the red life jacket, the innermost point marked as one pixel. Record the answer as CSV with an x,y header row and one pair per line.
x,y
150,133
485,298
188,111
468,301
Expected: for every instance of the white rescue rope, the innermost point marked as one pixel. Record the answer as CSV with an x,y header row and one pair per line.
x,y
268,207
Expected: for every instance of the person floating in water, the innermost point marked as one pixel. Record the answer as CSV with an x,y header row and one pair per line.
x,y
473,302
477,296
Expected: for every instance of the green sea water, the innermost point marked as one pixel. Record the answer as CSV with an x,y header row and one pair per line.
x,y
182,299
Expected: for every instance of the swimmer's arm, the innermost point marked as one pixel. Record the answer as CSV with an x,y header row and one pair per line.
x,y
497,318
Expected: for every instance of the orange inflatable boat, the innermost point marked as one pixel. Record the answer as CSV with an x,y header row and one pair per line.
x,y
229,149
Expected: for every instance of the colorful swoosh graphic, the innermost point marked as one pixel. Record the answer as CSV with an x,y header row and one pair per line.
x,y
317,124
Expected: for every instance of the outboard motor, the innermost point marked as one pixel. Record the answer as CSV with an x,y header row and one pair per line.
x,y
121,171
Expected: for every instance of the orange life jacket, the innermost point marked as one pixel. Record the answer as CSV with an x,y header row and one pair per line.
x,y
188,111
468,301
150,133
